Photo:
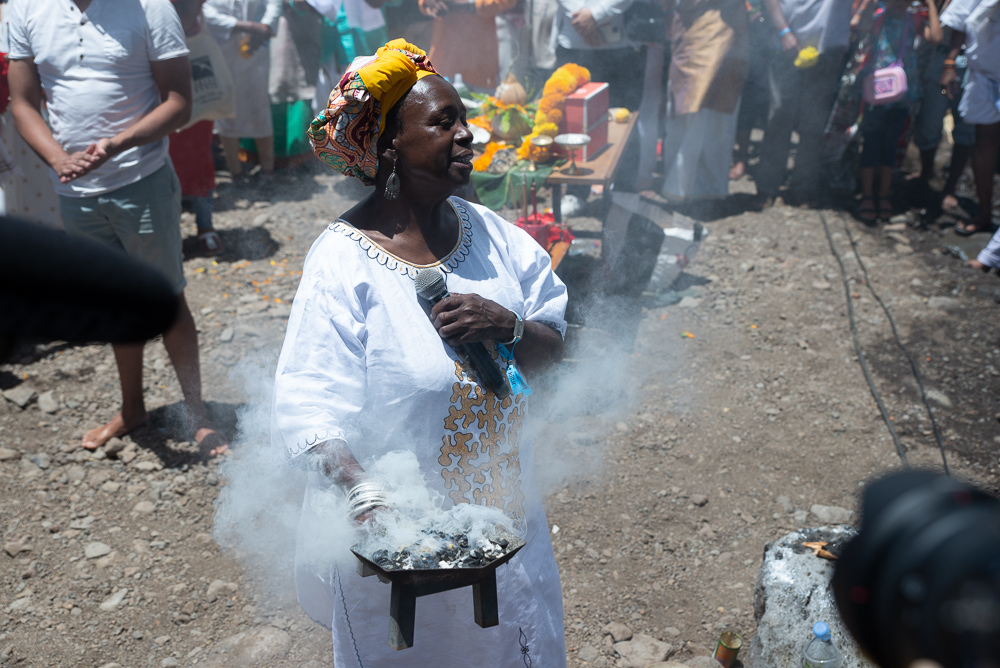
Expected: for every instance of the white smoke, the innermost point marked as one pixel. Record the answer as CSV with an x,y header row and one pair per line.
x,y
265,519
263,515
257,510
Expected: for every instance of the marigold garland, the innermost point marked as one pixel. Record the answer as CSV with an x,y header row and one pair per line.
x,y
563,82
549,116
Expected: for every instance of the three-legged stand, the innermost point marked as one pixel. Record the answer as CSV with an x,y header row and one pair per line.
x,y
403,604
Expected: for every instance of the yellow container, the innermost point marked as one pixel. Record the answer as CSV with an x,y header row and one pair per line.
x,y
807,58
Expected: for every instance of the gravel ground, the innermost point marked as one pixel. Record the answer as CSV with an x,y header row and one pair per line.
x,y
713,445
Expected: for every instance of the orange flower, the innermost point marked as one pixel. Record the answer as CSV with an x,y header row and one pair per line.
x,y
482,163
555,117
524,151
581,74
550,129
549,102
481,121
561,83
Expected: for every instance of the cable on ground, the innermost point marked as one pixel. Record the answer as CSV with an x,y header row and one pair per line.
x,y
899,343
857,346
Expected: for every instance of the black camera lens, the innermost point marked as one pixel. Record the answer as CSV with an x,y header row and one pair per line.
x,y
922,578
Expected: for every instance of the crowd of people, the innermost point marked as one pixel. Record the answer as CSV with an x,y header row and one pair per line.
x,y
854,80
122,101
117,102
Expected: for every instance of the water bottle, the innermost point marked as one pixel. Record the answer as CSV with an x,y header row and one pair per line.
x,y
821,652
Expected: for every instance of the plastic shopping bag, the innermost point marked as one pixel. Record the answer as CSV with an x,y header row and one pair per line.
x,y
212,90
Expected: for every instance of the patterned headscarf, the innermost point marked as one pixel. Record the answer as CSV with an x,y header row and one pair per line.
x,y
346,133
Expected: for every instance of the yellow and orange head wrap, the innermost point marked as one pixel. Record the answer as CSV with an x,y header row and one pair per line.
x,y
346,133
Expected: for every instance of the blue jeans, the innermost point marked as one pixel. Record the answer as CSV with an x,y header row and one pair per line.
x,y
202,207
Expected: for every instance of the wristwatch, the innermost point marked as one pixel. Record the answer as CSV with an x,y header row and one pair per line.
x,y
518,330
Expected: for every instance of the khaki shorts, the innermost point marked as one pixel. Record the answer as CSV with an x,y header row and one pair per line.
x,y
143,219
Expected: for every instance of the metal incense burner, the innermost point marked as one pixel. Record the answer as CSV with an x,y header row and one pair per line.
x,y
410,584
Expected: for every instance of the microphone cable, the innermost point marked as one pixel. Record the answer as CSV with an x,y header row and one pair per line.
x,y
895,335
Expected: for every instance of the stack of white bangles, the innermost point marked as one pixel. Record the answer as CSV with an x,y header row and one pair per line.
x,y
364,497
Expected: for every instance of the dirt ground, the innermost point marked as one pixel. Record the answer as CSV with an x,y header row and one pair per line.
x,y
726,440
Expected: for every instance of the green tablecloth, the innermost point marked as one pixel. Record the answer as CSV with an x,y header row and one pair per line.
x,y
496,191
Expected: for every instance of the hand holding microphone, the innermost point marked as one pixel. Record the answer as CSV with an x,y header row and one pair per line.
x,y
464,322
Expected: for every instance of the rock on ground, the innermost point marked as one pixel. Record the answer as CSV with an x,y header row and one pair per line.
x,y
831,514
588,653
47,402
258,647
641,651
96,549
793,593
618,631
20,395
219,587
114,600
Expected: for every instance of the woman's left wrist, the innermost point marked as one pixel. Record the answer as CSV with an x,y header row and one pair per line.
x,y
515,332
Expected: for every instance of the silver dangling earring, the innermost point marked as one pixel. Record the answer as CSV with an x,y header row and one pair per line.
x,y
391,191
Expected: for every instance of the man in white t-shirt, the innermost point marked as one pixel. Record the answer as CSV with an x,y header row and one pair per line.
x,y
116,79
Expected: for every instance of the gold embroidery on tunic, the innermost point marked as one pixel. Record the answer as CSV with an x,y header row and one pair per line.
x,y
480,455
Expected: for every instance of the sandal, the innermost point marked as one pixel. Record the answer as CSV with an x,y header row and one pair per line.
x,y
885,213
867,214
966,228
210,243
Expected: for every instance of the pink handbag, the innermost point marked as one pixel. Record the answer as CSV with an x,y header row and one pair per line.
x,y
888,84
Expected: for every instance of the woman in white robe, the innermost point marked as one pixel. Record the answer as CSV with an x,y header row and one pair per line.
x,y
364,371
242,28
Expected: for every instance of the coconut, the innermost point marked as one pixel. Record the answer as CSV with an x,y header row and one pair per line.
x,y
511,91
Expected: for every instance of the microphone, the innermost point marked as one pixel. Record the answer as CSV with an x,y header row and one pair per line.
x,y
431,286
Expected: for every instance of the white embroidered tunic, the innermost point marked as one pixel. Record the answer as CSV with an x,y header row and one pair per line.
x,y
361,362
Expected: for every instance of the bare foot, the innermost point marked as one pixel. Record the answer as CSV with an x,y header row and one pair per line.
x,y
949,203
211,442
116,428
914,176
737,171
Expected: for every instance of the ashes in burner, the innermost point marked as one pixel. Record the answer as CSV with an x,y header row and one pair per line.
x,y
437,549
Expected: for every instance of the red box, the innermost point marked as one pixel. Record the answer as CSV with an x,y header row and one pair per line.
x,y
587,112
